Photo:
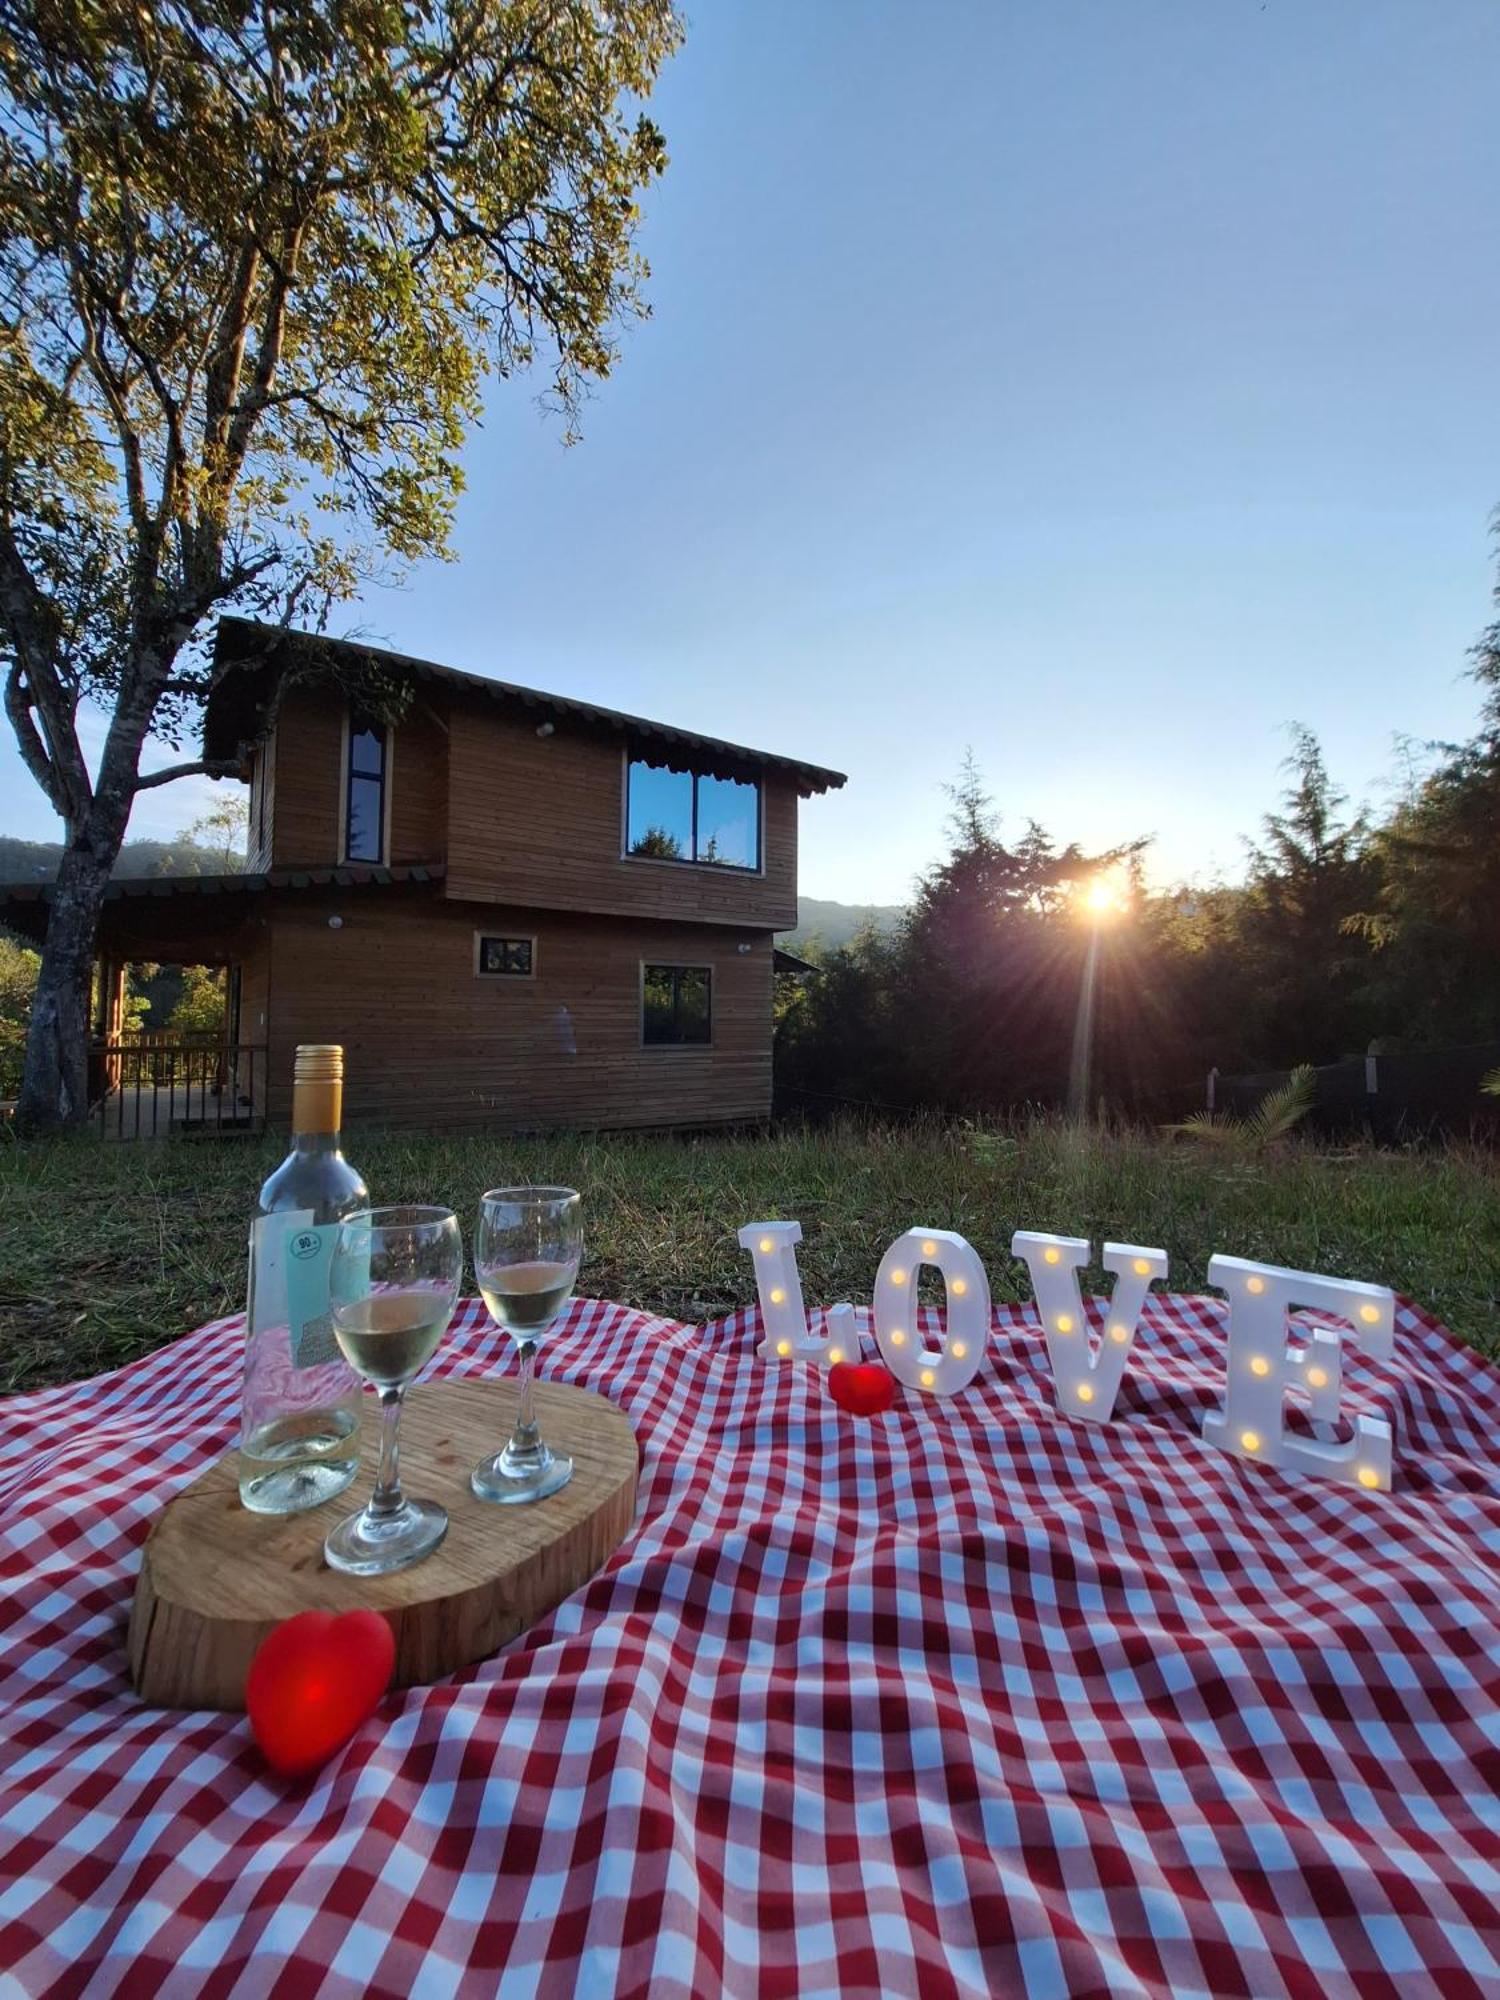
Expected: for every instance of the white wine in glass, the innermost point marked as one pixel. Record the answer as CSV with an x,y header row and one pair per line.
x,y
391,1336
527,1250
392,1286
526,1298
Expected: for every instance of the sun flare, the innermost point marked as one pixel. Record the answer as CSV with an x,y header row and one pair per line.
x,y
1102,898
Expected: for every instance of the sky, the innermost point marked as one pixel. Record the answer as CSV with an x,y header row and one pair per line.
x,y
1099,384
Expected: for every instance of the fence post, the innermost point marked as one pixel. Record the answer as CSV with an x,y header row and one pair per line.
x,y
1213,1085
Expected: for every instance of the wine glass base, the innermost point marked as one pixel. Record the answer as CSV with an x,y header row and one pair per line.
x,y
371,1544
492,1481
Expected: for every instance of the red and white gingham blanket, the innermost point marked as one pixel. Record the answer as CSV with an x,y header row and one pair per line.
x,y
962,1699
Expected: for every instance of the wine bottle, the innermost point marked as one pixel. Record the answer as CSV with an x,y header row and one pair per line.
x,y
299,1433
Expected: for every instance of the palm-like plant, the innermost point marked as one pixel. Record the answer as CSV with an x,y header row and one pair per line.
x,y
1272,1119
1490,1083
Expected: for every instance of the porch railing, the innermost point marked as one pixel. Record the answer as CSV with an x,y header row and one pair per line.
x,y
147,1087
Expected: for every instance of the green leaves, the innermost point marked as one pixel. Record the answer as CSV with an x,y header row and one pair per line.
x,y
255,263
1279,1112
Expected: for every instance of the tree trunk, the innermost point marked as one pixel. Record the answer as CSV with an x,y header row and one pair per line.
x,y
54,1084
55,1081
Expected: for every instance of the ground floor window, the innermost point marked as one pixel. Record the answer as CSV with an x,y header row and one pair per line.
x,y
676,1005
504,957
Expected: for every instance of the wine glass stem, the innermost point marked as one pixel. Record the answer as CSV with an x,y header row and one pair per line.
x,y
526,1437
387,1497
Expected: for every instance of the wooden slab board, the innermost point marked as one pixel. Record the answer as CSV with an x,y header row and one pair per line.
x,y
215,1578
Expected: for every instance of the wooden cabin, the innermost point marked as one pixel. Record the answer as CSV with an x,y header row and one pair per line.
x,y
513,909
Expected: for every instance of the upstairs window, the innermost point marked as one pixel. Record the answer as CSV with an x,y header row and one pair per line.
x,y
364,799
676,1005
690,816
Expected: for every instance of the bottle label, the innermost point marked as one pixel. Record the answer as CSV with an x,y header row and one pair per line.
x,y
291,1255
309,1321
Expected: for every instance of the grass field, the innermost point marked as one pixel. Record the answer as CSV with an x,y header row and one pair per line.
x,y
111,1250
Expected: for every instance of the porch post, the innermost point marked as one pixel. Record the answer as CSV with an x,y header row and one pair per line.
x,y
112,994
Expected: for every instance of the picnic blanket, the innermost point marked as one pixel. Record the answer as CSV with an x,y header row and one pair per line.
x,y
963,1699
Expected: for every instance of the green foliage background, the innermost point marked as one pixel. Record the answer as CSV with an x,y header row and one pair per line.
x,y
1349,931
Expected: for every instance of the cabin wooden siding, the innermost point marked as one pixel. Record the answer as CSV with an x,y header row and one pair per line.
x,y
541,821
428,1043
308,773
531,832
419,784
258,850
518,818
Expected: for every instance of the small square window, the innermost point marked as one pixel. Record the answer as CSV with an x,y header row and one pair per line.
x,y
505,957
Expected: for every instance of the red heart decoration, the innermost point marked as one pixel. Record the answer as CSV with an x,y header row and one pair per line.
x,y
313,1681
861,1386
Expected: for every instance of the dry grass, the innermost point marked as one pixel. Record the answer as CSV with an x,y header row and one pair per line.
x,y
111,1250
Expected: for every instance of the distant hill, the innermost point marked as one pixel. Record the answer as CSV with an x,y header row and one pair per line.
x,y
833,924
36,860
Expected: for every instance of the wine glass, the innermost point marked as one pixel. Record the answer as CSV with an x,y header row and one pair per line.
x,y
526,1256
393,1282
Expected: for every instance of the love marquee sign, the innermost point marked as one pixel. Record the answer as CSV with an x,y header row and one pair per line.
x,y
1263,1357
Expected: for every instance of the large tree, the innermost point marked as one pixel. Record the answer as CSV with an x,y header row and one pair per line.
x,y
256,259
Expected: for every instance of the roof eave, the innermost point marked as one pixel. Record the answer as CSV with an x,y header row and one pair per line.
x,y
808,778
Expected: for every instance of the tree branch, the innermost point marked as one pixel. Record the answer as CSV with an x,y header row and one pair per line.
x,y
33,750
203,768
30,622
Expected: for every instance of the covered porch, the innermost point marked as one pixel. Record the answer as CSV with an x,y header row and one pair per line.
x,y
157,1085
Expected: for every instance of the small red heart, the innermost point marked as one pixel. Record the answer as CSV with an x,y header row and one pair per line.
x,y
861,1386
313,1681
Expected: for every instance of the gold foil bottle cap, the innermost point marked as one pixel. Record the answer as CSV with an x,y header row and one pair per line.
x,y
318,1087
319,1062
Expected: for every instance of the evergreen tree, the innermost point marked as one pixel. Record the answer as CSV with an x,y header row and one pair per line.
x,y
1303,968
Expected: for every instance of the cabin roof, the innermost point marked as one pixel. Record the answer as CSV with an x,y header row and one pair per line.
x,y
788,961
24,905
250,659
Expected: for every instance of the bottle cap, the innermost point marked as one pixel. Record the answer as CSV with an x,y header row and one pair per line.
x,y
318,1062
318,1087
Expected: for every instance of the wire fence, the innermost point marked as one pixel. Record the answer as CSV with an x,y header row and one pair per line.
x,y
1402,1094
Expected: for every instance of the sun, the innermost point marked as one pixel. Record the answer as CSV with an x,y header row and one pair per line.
x,y
1102,899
